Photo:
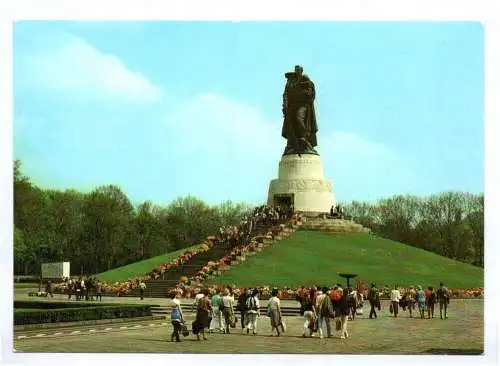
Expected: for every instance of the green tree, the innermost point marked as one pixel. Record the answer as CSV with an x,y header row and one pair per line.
x,y
107,229
190,221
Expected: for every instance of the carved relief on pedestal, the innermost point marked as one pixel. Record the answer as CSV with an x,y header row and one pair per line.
x,y
301,185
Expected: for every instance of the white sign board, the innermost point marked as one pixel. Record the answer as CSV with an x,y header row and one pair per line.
x,y
55,270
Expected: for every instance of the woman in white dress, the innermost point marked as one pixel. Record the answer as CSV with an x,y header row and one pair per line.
x,y
274,312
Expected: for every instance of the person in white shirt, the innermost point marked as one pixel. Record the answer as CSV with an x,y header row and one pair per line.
x,y
252,312
395,297
197,298
142,287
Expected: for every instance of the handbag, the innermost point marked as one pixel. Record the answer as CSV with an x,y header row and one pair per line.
x,y
184,330
391,310
283,325
268,311
338,324
233,321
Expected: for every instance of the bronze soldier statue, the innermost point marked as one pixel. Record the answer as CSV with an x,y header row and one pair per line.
x,y
299,125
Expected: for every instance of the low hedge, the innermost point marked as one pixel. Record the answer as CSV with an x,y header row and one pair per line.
x,y
37,316
24,279
19,304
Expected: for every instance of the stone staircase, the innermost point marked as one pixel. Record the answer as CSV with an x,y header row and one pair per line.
x,y
161,287
333,226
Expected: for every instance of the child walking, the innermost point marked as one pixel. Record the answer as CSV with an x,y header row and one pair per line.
x,y
177,320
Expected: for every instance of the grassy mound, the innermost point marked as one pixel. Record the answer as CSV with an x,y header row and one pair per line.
x,y
311,257
138,268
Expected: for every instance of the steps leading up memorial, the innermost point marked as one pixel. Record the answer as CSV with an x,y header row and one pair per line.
x,y
333,226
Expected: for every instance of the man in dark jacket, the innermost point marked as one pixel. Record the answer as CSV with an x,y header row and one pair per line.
x,y
344,310
374,299
241,306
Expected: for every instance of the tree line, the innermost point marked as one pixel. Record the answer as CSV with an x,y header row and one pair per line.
x,y
101,230
450,224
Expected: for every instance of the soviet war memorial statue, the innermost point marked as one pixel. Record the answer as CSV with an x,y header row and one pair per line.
x,y
299,124
301,183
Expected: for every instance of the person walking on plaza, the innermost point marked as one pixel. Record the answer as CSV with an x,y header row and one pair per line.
x,y
203,309
217,321
374,299
241,306
395,297
430,299
177,320
421,301
344,310
309,313
274,312
325,311
252,312
228,310
443,296
411,300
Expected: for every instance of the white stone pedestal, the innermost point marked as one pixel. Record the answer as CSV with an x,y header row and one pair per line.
x,y
301,180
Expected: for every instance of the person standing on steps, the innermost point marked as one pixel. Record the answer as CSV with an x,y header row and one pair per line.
x,y
374,299
443,297
142,287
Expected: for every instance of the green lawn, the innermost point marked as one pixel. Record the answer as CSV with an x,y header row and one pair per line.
x,y
311,257
138,268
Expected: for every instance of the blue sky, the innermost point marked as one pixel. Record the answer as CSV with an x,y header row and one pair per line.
x,y
167,109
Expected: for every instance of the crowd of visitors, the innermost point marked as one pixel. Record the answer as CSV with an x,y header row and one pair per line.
x,y
87,288
265,216
411,299
337,212
216,310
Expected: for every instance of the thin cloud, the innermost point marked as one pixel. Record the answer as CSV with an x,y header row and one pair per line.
x,y
71,67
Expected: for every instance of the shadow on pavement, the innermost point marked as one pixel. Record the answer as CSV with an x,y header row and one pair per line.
x,y
451,351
